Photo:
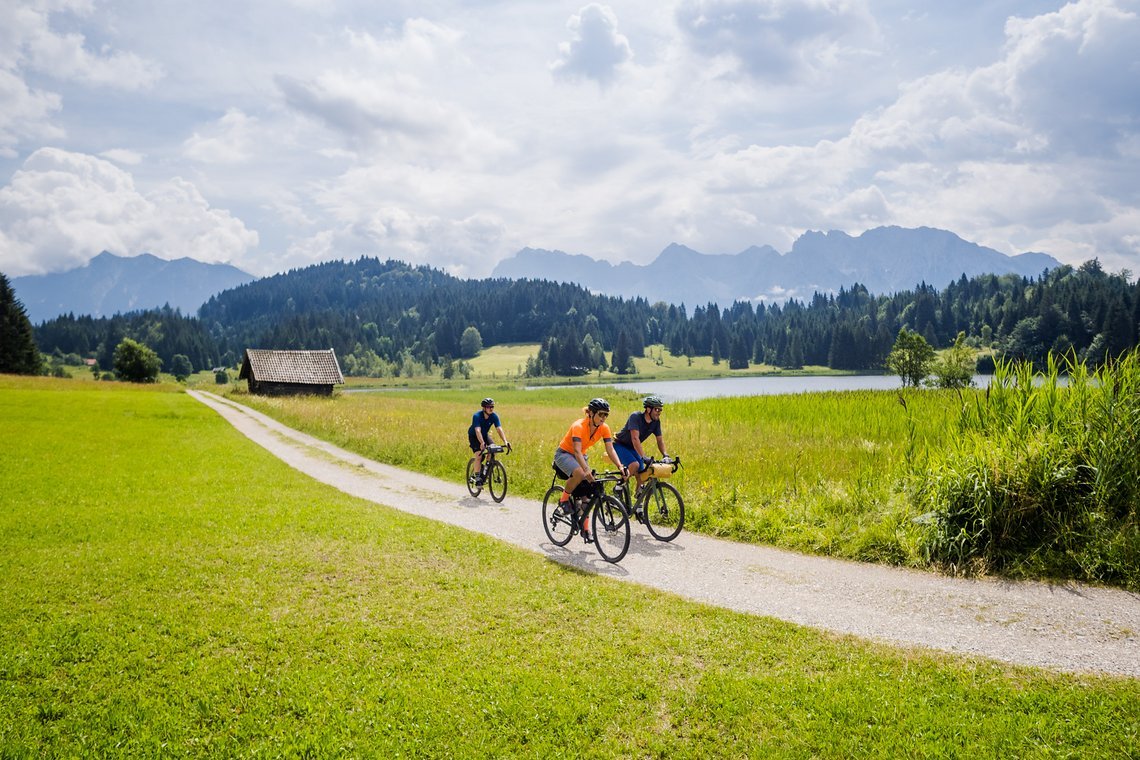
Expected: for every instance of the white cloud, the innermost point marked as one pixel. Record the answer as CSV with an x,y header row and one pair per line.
x,y
455,245
432,132
779,40
596,50
123,156
29,44
231,140
25,113
62,208
379,98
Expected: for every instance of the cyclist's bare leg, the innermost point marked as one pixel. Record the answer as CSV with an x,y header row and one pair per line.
x,y
572,482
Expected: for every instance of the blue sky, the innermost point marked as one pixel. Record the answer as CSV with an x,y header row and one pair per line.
x,y
276,134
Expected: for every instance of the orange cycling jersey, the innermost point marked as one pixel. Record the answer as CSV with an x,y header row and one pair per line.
x,y
581,429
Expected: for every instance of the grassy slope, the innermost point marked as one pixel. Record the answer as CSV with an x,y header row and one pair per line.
x,y
167,587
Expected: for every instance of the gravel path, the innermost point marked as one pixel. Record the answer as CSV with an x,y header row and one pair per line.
x,y
1069,627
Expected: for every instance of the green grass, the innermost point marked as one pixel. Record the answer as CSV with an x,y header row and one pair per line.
x,y
500,366
812,472
168,588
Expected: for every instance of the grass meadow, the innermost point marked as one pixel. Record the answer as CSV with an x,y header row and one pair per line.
x,y
505,365
168,588
811,472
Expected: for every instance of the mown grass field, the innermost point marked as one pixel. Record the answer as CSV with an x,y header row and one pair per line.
x,y
505,365
168,588
812,472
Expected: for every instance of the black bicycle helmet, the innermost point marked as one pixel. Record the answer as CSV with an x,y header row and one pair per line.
x,y
598,405
653,402
488,401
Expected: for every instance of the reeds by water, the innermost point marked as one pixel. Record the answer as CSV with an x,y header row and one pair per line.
x,y
1042,476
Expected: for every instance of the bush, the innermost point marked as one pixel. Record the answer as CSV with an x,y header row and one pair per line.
x,y
135,362
221,377
955,368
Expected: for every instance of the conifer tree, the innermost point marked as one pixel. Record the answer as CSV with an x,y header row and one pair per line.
x,y
18,352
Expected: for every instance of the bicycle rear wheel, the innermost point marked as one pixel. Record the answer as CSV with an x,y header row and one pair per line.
x,y
556,519
472,471
664,512
609,525
498,481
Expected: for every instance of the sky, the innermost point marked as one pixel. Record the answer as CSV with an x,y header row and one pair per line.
x,y
276,134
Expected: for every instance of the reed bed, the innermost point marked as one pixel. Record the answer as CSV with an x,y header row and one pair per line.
x,y
1042,477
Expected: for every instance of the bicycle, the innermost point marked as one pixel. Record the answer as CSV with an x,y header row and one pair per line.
x,y
609,522
493,474
656,504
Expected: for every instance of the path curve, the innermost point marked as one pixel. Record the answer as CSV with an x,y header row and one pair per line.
x,y
1067,627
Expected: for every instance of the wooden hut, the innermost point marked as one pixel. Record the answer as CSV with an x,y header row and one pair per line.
x,y
280,373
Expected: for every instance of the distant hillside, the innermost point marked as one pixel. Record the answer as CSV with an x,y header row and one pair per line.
x,y
885,260
110,284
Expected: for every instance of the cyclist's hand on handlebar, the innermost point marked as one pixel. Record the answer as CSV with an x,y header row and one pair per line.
x,y
667,459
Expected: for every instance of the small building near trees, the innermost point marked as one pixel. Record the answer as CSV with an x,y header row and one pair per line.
x,y
280,373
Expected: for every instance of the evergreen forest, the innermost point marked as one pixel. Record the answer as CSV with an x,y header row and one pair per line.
x,y
387,318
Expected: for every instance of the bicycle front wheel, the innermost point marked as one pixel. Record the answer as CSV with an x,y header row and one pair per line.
x,y
498,481
472,472
609,526
556,519
664,512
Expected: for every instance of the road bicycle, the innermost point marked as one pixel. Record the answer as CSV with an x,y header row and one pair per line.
x,y
608,521
656,504
493,474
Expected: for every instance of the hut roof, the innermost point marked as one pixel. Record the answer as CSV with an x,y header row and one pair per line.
x,y
308,367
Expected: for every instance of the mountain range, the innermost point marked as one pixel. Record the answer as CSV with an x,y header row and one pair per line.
x,y
885,259
110,284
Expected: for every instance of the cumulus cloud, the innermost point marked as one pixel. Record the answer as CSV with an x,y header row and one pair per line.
x,y
28,43
1025,153
25,113
459,246
231,140
63,208
596,49
1075,75
778,41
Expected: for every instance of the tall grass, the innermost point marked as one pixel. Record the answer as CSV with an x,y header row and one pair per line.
x,y
815,472
1042,477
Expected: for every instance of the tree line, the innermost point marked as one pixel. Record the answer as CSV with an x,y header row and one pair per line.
x,y
388,317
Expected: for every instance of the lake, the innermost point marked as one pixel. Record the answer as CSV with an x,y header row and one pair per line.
x,y
693,390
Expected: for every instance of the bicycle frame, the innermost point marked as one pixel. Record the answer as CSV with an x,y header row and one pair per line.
x,y
637,501
610,520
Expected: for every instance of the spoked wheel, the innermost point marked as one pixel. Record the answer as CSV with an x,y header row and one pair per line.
x,y
556,519
665,512
472,471
609,526
498,484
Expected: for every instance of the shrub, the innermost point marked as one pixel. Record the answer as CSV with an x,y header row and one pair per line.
x,y
221,377
136,362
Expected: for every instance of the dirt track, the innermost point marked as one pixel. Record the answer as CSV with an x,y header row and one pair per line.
x,y
1068,627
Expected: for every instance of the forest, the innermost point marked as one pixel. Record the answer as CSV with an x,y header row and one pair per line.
x,y
387,318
